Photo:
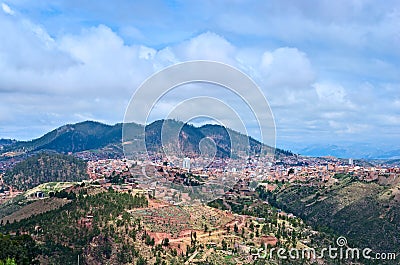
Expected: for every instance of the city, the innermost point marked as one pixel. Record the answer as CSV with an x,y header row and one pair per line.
x,y
172,132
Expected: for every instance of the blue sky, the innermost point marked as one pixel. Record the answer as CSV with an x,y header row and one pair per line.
x,y
329,69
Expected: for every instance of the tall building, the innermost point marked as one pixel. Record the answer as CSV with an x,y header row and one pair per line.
x,y
351,161
186,163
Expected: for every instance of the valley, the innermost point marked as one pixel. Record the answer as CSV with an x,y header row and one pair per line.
x,y
98,207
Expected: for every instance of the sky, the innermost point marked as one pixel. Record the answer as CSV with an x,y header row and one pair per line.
x,y
330,70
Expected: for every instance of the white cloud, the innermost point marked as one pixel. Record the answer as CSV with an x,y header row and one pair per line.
x,y
286,67
297,59
206,46
331,93
27,47
7,9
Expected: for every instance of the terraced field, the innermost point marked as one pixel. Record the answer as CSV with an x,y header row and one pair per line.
x,y
175,219
166,219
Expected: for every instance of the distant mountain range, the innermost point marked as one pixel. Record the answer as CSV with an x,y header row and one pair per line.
x,y
91,135
356,150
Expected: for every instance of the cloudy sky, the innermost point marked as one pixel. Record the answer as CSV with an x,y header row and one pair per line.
x,y
330,70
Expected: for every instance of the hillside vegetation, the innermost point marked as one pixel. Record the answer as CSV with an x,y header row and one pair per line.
x,y
95,225
44,168
92,136
172,134
362,212
72,138
20,249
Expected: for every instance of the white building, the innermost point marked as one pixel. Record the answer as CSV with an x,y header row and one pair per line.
x,y
186,163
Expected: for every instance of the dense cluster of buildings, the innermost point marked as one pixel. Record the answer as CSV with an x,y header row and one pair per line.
x,y
197,177
158,176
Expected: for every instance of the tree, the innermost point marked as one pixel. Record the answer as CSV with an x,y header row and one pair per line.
x,y
165,242
174,252
8,261
236,229
17,249
224,245
141,261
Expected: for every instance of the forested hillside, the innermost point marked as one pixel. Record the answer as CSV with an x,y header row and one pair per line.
x,y
20,249
92,136
44,168
362,212
94,225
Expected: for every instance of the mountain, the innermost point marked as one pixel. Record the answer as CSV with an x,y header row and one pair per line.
x,y
175,136
72,138
352,150
90,135
238,143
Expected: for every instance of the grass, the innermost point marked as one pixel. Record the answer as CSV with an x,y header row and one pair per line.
x,y
50,187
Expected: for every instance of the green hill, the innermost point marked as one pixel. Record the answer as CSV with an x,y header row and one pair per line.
x,y
42,168
72,138
367,214
92,136
95,225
